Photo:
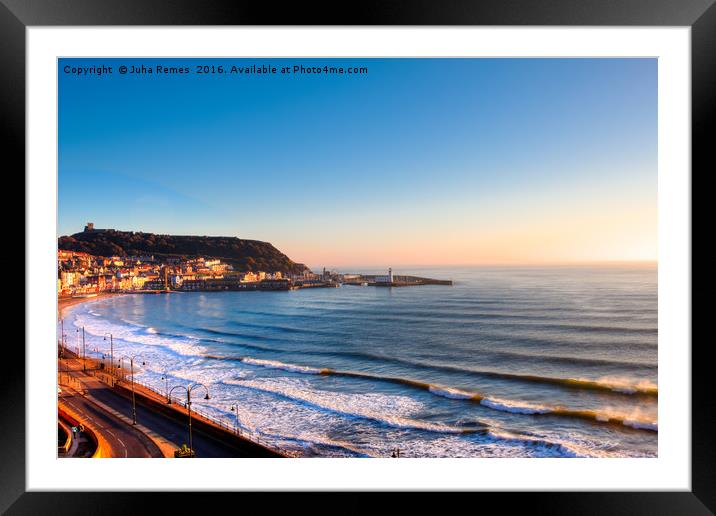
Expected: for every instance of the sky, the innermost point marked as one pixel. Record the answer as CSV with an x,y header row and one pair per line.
x,y
416,162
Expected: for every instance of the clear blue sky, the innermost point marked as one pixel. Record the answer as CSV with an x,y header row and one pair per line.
x,y
419,161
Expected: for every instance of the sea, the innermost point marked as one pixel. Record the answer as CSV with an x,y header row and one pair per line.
x,y
506,362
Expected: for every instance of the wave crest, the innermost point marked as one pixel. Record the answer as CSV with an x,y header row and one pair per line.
x,y
275,364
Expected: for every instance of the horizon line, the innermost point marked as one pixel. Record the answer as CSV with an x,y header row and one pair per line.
x,y
499,264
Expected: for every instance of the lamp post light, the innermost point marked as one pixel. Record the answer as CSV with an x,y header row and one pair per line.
x,y
235,410
188,406
111,354
134,403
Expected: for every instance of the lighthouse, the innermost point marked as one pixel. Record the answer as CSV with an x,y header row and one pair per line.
x,y
390,275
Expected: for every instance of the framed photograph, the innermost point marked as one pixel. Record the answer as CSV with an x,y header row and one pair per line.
x,y
410,249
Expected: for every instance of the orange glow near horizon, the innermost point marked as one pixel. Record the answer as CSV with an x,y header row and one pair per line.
x,y
567,234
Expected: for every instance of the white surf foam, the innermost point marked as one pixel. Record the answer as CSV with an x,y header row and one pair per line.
x,y
642,425
513,407
275,364
548,447
449,392
381,408
99,327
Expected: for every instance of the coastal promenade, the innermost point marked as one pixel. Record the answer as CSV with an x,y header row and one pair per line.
x,y
160,429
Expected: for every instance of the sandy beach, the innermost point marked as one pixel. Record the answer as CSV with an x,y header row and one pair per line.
x,y
66,302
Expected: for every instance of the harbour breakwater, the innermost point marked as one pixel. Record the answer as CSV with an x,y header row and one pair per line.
x,y
397,281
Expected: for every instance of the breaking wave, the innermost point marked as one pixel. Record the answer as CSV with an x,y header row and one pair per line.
x,y
275,364
372,407
511,406
365,406
609,384
99,328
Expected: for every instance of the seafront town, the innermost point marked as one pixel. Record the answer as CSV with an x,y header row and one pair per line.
x,y
81,273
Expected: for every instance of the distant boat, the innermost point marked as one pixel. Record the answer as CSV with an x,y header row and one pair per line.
x,y
364,284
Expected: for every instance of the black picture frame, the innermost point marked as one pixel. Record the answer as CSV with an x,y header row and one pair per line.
x,y
700,15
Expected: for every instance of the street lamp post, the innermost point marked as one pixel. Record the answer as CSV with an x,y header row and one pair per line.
x,y
235,409
165,377
62,338
83,348
188,405
62,355
134,403
111,354
119,366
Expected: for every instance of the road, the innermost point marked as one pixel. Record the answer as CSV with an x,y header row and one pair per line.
x,y
124,440
173,429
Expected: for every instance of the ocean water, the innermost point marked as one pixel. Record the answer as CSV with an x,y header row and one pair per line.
x,y
507,362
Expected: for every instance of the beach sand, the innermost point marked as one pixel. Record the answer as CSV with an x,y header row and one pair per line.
x,y
66,302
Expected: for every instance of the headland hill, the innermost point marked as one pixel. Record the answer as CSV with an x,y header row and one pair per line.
x,y
110,261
